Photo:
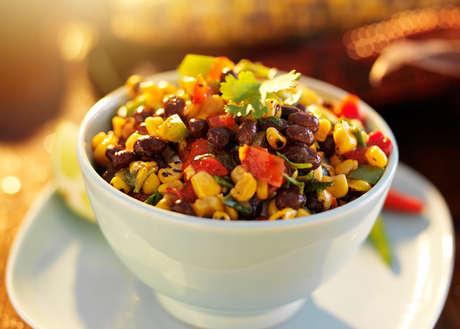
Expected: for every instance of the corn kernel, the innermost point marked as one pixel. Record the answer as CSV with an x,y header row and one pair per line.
x,y
152,124
365,136
153,94
346,167
358,185
172,172
245,188
326,199
128,127
192,110
98,139
131,140
340,187
120,184
221,215
233,213
314,109
274,108
262,190
99,153
117,124
150,184
187,84
276,140
335,159
167,87
237,173
324,129
176,184
286,213
302,212
272,208
295,173
376,157
167,201
213,105
318,173
344,139
206,207
133,83
204,185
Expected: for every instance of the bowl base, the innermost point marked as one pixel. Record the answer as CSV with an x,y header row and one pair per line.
x,y
202,317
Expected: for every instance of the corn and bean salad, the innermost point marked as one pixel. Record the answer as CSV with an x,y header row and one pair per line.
x,y
239,142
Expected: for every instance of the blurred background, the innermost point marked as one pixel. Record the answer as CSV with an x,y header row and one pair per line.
x,y
57,58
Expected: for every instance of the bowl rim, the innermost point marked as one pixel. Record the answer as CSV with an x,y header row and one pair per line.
x,y
323,88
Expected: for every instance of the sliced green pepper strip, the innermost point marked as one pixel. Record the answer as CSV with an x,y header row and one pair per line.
x,y
192,65
154,198
272,118
222,182
378,236
359,136
295,165
295,182
230,201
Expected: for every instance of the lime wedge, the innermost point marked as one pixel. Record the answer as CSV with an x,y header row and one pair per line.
x,y
66,171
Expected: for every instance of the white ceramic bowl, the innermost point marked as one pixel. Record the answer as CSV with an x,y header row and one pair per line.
x,y
221,274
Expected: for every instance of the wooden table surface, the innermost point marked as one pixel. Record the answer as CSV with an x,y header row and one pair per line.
x,y
66,92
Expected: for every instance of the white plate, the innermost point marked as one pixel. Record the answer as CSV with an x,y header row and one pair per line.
x,y
61,273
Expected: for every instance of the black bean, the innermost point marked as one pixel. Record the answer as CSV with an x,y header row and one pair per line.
x,y
300,134
160,160
183,207
306,120
111,150
290,197
287,110
302,107
246,132
313,203
198,128
221,137
256,206
109,174
299,153
264,125
227,159
174,105
148,146
122,159
227,72
142,129
141,113
328,146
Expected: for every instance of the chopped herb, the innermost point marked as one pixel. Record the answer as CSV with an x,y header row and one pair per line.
x,y
130,179
243,207
319,187
368,173
295,165
222,182
154,198
272,118
295,182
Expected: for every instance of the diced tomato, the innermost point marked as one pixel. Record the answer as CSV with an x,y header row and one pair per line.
x,y
272,189
198,147
356,154
201,89
377,138
262,165
209,164
188,193
185,151
221,120
403,202
348,107
334,202
262,218
219,64
171,190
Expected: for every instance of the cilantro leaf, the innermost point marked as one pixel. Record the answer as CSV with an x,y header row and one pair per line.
x,y
285,81
243,88
295,182
259,108
319,187
368,173
235,110
154,198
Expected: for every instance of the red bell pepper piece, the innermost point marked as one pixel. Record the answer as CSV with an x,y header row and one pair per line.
x,y
403,202
221,120
219,64
356,154
209,164
348,107
186,194
200,91
198,147
384,143
262,165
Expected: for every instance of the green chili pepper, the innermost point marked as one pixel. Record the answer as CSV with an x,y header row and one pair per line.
x,y
378,236
295,165
222,182
230,201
